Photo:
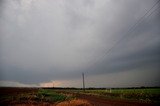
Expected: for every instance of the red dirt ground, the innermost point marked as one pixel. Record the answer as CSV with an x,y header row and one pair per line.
x,y
99,101
93,100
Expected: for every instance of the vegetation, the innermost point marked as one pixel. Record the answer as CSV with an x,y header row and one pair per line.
x,y
71,97
74,102
32,96
141,94
50,96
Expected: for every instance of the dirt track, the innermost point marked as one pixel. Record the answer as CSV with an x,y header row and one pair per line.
x,y
98,101
94,100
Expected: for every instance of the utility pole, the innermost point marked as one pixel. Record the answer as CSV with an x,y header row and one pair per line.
x,y
83,82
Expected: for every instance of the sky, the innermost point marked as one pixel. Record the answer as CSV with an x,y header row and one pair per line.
x,y
46,43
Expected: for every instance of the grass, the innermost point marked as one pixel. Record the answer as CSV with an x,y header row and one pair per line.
x,y
144,95
67,96
74,102
50,96
41,96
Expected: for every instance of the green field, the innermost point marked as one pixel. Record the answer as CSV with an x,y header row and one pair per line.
x,y
48,96
140,94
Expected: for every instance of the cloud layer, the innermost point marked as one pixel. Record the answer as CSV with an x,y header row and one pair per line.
x,y
43,41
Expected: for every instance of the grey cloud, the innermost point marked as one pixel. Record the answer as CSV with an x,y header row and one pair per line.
x,y
45,40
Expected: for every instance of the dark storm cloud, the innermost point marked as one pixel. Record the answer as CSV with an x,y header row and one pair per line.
x,y
45,40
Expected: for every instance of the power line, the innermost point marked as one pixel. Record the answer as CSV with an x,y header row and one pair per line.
x,y
83,82
130,29
153,12
133,27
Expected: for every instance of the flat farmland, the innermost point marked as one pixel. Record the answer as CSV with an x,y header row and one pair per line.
x,y
38,97
77,97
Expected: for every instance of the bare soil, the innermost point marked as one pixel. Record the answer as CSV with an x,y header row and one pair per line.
x,y
91,99
99,101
